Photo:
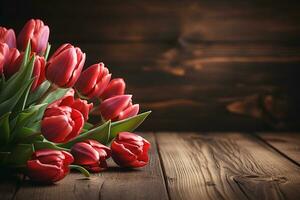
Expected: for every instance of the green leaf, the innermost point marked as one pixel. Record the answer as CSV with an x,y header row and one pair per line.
x,y
52,96
29,136
57,94
34,96
22,102
129,124
100,133
48,145
2,81
16,82
4,128
20,154
23,119
88,126
81,169
47,51
10,103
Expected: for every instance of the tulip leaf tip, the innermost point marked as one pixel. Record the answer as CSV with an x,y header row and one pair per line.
x,y
80,169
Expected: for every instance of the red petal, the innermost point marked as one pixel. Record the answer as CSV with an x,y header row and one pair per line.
x,y
43,172
115,87
25,34
111,108
78,68
60,69
56,128
78,124
68,158
99,87
88,79
129,112
84,154
121,155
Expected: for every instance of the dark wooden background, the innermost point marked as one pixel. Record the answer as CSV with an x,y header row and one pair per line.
x,y
199,65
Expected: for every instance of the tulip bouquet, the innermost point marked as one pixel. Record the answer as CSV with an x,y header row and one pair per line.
x,y
45,106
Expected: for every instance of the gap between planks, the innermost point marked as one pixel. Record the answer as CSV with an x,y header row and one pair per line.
x,y
286,144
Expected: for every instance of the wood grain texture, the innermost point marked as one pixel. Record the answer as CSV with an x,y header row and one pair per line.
x,y
203,80
144,183
115,183
225,166
286,143
259,20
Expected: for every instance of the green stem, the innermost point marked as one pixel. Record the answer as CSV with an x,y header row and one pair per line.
x,y
63,149
81,169
49,90
47,52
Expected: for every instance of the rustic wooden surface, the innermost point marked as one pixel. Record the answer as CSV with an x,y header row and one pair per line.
x,y
238,60
288,144
186,166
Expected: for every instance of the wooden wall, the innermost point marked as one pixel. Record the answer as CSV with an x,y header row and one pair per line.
x,y
199,65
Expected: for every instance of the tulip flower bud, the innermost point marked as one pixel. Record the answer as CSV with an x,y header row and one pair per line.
x,y
65,66
8,36
115,87
49,166
130,111
68,100
61,124
93,81
112,107
38,34
12,65
4,53
38,72
91,155
130,150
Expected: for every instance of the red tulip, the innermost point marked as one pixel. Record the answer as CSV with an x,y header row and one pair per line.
x,y
68,100
93,81
8,36
130,111
12,65
61,124
64,67
112,107
114,88
118,108
49,166
38,34
91,154
38,72
130,150
4,53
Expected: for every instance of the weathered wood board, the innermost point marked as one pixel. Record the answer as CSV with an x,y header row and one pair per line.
x,y
225,166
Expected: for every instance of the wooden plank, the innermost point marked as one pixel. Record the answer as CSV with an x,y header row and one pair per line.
x,y
162,20
9,184
204,79
199,53
145,183
225,166
286,143
115,183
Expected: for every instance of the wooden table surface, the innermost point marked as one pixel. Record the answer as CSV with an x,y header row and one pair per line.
x,y
187,166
